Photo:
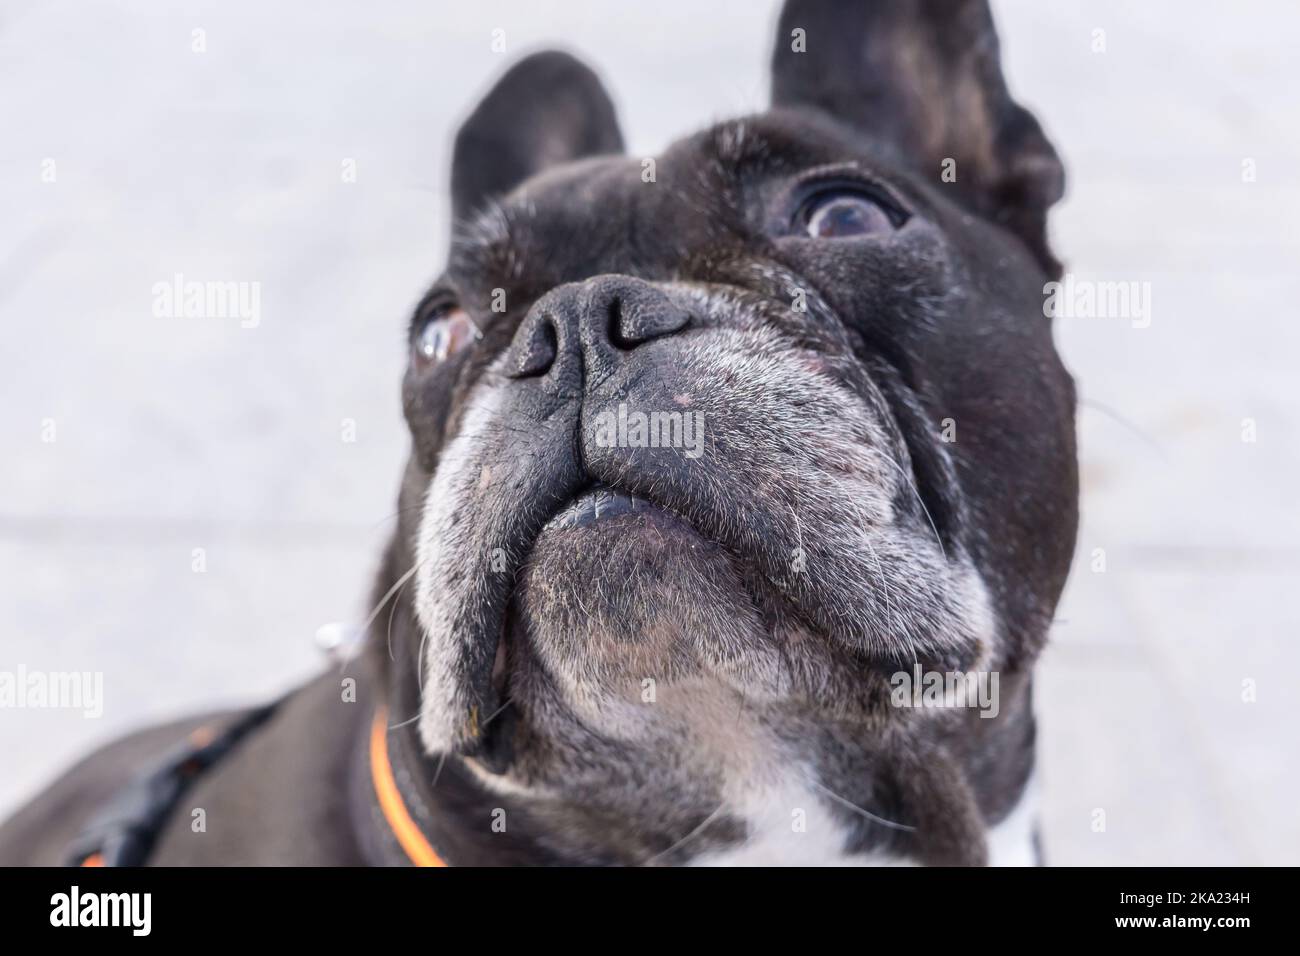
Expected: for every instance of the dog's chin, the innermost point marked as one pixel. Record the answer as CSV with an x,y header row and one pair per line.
x,y
620,596
623,602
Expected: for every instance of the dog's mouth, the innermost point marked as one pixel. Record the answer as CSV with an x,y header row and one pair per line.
x,y
597,503
790,548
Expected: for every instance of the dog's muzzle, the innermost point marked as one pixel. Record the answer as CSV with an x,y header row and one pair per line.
x,y
667,482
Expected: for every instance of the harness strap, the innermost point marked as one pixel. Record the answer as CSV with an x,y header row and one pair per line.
x,y
123,832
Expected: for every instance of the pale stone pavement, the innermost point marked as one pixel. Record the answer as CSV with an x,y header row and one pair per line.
x,y
177,434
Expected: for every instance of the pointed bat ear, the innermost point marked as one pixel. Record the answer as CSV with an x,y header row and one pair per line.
x,y
925,75
547,109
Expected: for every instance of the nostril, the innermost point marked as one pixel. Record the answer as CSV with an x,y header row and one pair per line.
x,y
636,321
615,330
539,350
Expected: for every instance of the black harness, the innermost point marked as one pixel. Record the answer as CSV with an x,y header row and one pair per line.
x,y
124,832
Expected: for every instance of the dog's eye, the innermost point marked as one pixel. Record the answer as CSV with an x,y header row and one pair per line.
x,y
840,214
443,334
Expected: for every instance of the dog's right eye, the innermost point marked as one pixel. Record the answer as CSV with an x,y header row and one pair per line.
x,y
443,334
844,213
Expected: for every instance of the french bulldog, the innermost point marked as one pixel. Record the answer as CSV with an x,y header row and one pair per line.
x,y
707,449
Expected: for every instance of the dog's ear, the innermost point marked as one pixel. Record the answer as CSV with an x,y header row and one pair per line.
x,y
925,75
547,109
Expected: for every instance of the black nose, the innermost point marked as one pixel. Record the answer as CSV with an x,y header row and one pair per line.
x,y
599,320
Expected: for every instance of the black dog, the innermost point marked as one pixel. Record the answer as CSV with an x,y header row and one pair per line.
x,y
707,450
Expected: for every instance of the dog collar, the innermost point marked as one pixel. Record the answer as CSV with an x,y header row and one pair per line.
x,y
419,851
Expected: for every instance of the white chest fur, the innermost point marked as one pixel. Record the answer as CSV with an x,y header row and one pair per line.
x,y
792,825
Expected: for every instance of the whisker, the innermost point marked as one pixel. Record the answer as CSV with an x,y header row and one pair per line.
x,y
884,584
388,596
857,809
1119,419
907,480
389,637
370,619
398,513
690,836
442,759
496,713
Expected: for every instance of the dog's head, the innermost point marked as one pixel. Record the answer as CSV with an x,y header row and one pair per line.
x,y
710,446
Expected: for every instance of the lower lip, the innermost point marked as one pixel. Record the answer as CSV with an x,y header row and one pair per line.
x,y
598,504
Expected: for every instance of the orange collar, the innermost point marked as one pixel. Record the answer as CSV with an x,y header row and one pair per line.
x,y
408,833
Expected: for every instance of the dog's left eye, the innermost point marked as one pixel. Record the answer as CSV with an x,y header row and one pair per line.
x,y
841,214
443,334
